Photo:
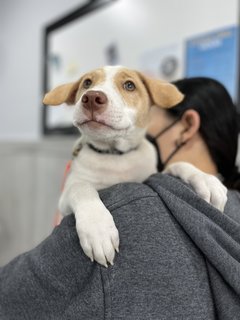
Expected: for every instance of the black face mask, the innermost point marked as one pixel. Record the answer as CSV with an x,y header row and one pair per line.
x,y
161,165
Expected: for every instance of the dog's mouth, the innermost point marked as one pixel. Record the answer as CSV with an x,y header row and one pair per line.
x,y
94,124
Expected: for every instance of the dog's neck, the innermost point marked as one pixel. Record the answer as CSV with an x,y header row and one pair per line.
x,y
120,145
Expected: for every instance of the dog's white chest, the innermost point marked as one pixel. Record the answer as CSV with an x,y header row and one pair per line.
x,y
105,170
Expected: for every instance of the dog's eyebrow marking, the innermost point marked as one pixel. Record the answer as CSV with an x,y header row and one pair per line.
x,y
128,75
98,76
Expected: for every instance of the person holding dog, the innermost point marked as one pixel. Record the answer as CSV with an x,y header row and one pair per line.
x,y
207,127
179,257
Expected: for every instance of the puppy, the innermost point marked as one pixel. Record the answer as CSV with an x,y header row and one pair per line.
x,y
111,110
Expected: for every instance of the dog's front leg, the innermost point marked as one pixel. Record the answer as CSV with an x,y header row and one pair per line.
x,y
207,186
96,229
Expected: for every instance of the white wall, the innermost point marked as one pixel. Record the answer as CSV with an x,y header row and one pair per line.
x,y
21,25
21,40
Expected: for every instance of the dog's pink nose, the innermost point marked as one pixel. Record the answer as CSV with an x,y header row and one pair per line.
x,y
95,101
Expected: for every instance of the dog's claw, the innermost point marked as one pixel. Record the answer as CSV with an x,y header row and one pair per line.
x,y
111,263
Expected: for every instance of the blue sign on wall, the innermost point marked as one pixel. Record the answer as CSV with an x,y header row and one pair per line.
x,y
215,55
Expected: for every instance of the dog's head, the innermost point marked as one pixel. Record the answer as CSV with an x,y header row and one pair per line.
x,y
111,102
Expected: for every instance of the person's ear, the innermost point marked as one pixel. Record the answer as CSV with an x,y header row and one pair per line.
x,y
190,121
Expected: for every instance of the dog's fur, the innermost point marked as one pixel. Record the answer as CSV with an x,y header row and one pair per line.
x,y
112,107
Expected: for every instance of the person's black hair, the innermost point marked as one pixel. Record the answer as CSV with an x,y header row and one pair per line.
x,y
219,122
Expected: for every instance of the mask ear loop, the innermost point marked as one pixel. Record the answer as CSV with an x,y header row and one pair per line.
x,y
153,140
166,129
179,146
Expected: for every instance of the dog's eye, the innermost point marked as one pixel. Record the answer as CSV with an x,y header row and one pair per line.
x,y
87,83
129,86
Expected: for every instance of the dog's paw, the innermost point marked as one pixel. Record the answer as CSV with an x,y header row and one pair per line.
x,y
207,186
98,234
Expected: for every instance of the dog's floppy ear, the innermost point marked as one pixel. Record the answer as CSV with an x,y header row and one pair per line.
x,y
162,93
64,93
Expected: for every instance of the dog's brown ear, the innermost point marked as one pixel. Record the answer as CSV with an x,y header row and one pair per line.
x,y
65,93
162,93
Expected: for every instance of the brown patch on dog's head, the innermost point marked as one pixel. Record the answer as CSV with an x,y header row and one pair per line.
x,y
71,92
146,92
138,98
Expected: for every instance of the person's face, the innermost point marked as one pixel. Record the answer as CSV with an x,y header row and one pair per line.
x,y
166,141
181,140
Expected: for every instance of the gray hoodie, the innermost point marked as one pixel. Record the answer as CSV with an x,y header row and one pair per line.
x,y
179,259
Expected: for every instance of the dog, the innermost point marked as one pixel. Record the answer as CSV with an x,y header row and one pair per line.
x,y
111,110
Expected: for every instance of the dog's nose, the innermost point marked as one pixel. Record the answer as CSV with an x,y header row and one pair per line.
x,y
94,100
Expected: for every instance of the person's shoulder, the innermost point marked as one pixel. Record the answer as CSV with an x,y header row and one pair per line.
x,y
123,193
232,208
